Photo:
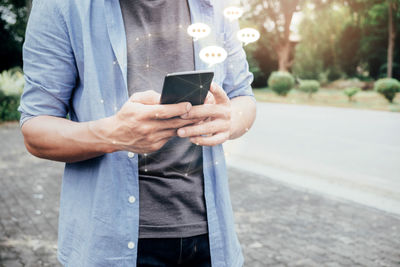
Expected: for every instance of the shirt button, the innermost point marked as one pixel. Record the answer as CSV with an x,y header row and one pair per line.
x,y
132,199
131,245
131,154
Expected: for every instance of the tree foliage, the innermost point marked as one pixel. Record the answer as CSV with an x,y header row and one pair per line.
x,y
13,18
338,38
274,18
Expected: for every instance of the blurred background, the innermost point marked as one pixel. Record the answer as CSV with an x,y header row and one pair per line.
x,y
315,182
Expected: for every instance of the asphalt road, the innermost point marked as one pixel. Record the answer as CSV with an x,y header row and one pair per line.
x,y
347,153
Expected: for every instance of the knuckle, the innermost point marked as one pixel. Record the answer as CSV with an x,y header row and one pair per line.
x,y
145,129
189,132
227,125
157,146
160,113
173,123
183,108
148,138
134,97
171,133
153,147
227,114
226,136
215,127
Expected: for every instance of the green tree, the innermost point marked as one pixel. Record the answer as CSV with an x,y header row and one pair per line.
x,y
275,17
320,31
349,37
392,8
13,18
375,49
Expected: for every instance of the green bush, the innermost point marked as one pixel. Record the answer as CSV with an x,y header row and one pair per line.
x,y
388,87
281,82
350,92
11,86
260,78
334,73
309,86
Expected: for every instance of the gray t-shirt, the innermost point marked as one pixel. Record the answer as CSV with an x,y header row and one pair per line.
x,y
171,188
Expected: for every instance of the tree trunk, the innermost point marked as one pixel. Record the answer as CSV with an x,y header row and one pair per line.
x,y
283,57
391,39
285,47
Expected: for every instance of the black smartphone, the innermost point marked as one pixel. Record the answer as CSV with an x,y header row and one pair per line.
x,y
188,86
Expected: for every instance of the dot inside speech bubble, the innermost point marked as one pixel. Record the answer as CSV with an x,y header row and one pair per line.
x,y
198,30
213,55
233,12
248,35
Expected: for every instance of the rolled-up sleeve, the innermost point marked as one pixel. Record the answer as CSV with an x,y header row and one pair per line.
x,y
48,63
238,78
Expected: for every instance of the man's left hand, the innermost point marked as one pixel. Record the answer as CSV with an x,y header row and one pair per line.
x,y
215,127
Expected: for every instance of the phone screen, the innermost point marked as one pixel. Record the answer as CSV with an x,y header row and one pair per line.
x,y
191,86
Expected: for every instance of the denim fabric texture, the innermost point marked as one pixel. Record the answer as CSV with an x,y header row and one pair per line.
x,y
75,63
174,252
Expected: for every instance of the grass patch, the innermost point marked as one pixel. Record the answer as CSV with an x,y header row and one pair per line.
x,y
331,97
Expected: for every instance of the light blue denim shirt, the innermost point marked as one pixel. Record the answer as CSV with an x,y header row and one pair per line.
x,y
75,62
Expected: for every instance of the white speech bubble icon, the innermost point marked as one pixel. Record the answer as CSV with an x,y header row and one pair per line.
x,y
213,55
233,12
198,30
248,35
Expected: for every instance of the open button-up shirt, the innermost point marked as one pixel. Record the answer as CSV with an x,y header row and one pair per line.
x,y
75,62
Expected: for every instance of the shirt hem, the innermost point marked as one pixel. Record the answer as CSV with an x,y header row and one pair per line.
x,y
239,260
175,231
61,259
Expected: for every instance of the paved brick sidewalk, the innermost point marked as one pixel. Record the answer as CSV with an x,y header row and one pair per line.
x,y
277,225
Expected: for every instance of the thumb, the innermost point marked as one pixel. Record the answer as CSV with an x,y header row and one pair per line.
x,y
148,97
219,94
210,98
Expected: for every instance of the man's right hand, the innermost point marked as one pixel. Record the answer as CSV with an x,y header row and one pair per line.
x,y
143,125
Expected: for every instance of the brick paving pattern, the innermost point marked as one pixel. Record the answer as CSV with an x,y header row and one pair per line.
x,y
278,225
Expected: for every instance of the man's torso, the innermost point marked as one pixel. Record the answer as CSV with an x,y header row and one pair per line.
x,y
171,179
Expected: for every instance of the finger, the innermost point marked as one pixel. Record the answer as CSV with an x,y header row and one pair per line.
x,y
210,98
213,140
167,111
161,135
148,97
206,128
206,110
219,94
156,145
174,123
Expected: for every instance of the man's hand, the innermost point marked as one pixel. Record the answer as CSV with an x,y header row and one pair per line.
x,y
215,116
143,125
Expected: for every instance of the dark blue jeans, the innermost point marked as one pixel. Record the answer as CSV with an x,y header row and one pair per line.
x,y
170,252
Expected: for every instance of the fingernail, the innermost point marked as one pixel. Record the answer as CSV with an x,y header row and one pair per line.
x,y
181,132
184,116
188,106
212,87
